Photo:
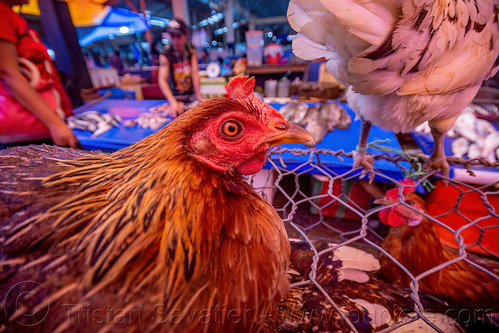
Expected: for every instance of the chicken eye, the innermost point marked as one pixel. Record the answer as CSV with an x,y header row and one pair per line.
x,y
409,202
231,128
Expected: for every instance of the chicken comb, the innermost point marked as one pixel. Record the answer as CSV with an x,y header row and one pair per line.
x,y
241,87
394,193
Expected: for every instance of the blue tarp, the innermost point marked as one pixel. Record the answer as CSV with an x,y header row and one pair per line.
x,y
347,140
115,19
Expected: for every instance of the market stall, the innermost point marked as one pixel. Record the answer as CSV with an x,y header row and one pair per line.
x,y
120,137
246,214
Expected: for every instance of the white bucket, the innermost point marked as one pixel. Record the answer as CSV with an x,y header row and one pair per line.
x,y
254,38
270,88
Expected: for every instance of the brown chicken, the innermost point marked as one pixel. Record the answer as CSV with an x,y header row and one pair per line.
x,y
414,243
164,235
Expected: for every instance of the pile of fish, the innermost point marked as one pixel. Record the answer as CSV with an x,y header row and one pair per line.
x,y
148,120
317,119
99,123
94,121
473,137
164,108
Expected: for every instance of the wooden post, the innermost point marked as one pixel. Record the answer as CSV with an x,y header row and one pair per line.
x,y
63,40
229,20
180,9
148,33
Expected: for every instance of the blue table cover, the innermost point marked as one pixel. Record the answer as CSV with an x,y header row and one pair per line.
x,y
118,138
347,140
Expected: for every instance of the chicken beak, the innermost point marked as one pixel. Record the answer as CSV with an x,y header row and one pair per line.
x,y
290,133
384,200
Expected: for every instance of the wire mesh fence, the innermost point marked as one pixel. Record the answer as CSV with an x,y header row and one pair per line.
x,y
321,203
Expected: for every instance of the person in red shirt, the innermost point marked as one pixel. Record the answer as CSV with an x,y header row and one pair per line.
x,y
33,103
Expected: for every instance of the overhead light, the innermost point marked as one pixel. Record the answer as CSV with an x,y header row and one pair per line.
x,y
236,24
157,23
290,37
274,38
124,30
214,43
269,34
194,27
212,19
51,53
218,17
220,31
213,12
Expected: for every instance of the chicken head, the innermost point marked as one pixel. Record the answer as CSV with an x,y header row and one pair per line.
x,y
401,211
239,130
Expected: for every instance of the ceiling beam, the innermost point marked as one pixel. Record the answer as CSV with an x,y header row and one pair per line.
x,y
270,20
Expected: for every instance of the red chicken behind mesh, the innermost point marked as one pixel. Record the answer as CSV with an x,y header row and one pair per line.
x,y
414,243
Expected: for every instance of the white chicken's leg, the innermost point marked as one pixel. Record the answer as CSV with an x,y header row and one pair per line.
x,y
437,159
360,156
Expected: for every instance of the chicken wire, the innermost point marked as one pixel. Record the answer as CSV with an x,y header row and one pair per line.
x,y
293,202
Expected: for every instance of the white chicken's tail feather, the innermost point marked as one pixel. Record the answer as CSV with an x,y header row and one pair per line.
x,y
305,48
368,20
326,30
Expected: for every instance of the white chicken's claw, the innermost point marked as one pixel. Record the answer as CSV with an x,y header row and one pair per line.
x,y
438,163
365,160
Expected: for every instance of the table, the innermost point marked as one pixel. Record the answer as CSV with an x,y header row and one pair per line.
x,y
275,72
277,69
117,138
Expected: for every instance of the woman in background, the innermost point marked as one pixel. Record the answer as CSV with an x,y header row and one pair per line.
x,y
178,75
33,103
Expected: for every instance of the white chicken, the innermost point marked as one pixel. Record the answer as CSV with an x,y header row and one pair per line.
x,y
405,61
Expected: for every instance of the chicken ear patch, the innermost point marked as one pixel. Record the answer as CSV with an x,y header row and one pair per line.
x,y
414,221
241,87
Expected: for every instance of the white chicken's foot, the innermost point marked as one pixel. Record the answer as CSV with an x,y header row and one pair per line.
x,y
437,159
361,158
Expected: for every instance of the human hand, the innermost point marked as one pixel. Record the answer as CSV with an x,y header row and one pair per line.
x,y
64,137
176,108
201,99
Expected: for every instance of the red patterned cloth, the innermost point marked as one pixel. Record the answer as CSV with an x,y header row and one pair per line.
x,y
17,124
442,202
